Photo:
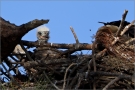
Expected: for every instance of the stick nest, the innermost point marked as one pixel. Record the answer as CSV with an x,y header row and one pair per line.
x,y
110,66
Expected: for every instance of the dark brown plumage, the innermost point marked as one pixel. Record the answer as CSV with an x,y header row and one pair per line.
x,y
12,34
131,30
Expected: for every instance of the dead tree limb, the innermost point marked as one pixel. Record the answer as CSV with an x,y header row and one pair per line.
x,y
82,46
72,50
11,34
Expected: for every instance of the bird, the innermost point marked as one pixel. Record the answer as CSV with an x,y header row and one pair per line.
x,y
43,34
113,28
116,24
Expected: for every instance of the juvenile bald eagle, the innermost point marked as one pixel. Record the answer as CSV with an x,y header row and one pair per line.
x,y
43,34
42,52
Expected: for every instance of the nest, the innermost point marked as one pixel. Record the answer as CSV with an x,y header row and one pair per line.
x,y
110,66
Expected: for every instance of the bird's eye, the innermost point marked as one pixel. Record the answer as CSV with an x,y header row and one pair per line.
x,y
46,33
39,33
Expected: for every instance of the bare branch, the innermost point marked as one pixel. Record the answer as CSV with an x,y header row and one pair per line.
x,y
122,22
27,54
75,36
50,81
110,83
11,34
127,27
64,84
82,46
132,40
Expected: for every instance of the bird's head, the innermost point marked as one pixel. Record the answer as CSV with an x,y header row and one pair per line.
x,y
43,33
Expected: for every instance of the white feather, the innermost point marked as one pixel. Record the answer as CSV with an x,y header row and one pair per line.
x,y
42,28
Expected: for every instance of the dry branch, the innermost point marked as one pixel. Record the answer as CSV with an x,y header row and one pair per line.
x,y
64,84
75,36
50,81
132,40
11,34
127,28
122,22
110,83
27,54
124,30
82,46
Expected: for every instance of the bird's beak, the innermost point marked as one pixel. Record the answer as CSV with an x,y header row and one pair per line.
x,y
44,37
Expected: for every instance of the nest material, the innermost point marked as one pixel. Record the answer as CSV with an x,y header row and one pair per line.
x,y
72,71
104,38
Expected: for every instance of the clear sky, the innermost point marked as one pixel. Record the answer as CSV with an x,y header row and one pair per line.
x,y
82,15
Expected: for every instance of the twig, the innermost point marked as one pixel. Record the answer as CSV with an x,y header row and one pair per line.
x,y
64,84
50,81
101,53
94,85
130,41
122,22
11,67
110,83
94,63
76,39
11,77
120,27
127,27
94,56
79,80
73,81
4,73
27,54
73,70
115,40
101,73
13,58
75,36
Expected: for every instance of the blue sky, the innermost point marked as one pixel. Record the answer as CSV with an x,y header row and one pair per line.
x,y
81,15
